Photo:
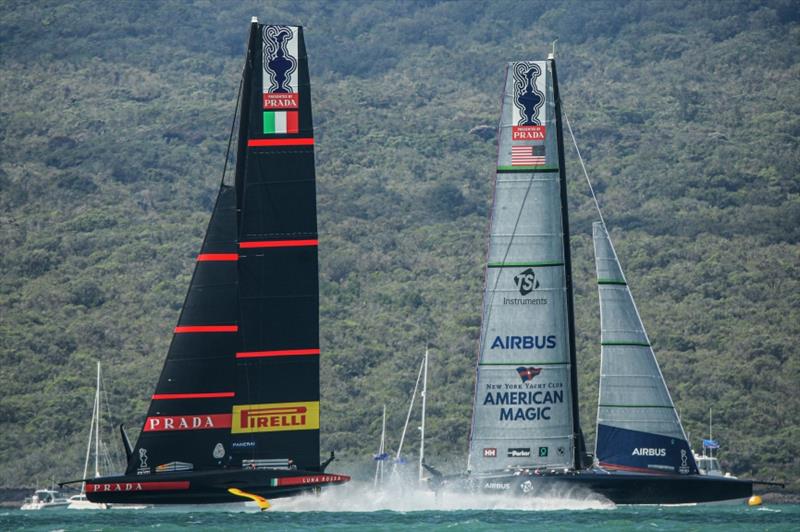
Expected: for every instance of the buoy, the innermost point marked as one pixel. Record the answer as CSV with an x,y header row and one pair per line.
x,y
755,500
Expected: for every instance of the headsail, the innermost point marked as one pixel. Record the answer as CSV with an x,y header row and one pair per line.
x,y
525,409
240,386
638,428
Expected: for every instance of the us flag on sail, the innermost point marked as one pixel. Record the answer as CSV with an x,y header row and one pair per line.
x,y
527,155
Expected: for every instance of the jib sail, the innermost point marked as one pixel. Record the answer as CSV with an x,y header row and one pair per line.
x,y
240,386
638,428
525,409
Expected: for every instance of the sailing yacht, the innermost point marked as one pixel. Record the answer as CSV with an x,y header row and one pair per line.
x,y
80,501
526,435
236,411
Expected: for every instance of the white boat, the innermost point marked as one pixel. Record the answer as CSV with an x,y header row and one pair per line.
x,y
44,499
707,463
80,502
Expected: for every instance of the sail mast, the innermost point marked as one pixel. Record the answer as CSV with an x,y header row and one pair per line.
x,y
580,446
380,458
97,425
89,445
408,418
244,114
422,424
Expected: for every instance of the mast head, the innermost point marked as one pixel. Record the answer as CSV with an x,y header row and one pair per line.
x,y
254,20
552,54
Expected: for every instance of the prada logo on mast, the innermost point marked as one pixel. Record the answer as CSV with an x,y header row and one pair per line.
x,y
275,417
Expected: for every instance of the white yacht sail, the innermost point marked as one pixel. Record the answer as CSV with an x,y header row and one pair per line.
x,y
638,428
524,412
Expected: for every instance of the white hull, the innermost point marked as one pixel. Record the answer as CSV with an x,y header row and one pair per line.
x,y
80,502
42,505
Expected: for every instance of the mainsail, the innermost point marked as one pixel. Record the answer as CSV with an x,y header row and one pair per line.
x,y
638,428
240,385
525,409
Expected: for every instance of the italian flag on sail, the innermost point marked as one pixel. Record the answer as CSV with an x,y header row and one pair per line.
x,y
277,122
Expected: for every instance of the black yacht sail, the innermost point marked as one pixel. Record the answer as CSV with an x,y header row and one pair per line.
x,y
525,435
236,410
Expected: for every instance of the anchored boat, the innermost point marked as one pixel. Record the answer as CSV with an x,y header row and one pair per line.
x,y
236,411
44,499
525,435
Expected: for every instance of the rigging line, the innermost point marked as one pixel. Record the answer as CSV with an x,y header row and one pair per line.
x,y
585,173
619,265
505,255
233,124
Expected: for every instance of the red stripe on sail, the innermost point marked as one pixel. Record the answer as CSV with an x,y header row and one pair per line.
x,y
214,257
206,328
278,243
108,487
209,395
255,143
278,353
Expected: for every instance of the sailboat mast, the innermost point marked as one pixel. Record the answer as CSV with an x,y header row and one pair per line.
x,y
97,425
244,115
89,445
576,425
710,433
422,424
381,450
408,417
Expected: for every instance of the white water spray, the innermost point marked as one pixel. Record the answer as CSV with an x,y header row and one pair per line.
x,y
407,497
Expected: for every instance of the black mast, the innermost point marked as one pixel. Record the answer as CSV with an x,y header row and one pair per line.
x,y
580,445
244,114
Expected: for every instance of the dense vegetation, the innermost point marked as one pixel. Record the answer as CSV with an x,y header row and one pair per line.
x,y
114,119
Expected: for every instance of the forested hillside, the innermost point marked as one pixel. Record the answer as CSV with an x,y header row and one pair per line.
x,y
114,118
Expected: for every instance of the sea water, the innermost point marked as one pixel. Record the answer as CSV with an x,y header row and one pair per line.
x,y
356,507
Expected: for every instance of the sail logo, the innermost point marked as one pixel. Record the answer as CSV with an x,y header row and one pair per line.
x,y
196,422
519,452
280,83
136,486
524,342
528,132
275,417
525,405
528,96
527,374
648,451
490,452
312,479
684,468
497,486
526,282
281,98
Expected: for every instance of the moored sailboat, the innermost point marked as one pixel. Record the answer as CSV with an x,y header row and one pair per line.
x,y
236,411
525,434
80,501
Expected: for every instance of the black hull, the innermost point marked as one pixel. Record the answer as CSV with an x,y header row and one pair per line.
x,y
619,488
205,487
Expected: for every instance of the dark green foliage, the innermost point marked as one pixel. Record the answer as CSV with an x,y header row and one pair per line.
x,y
113,124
